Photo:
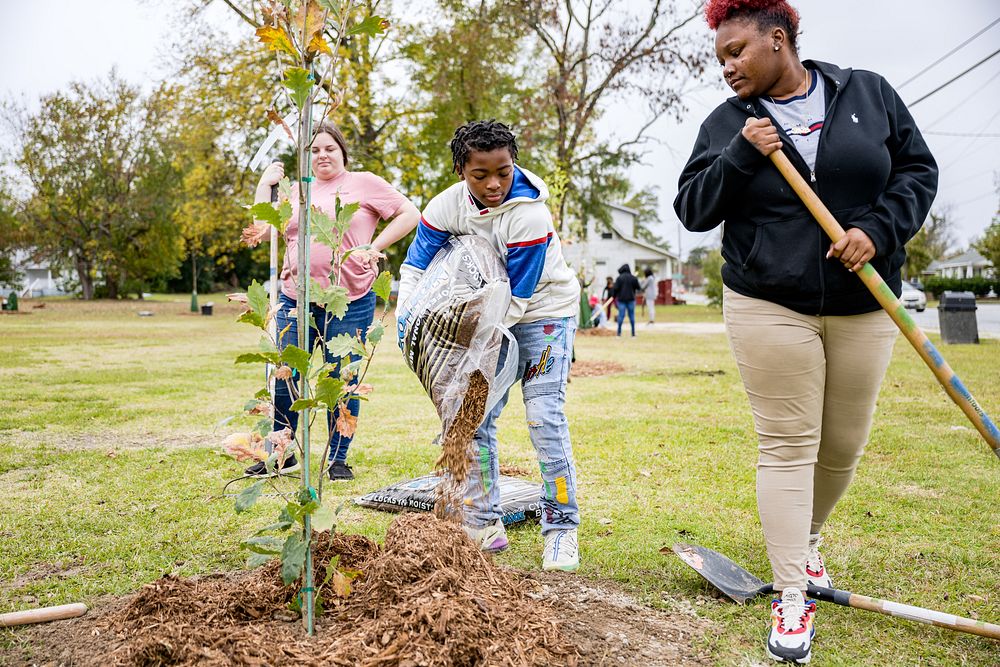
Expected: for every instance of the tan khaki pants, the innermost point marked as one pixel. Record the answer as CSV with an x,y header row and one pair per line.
x,y
812,384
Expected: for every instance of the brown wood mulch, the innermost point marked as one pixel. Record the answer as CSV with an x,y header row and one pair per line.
x,y
428,597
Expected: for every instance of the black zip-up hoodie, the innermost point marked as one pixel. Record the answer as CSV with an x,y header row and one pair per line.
x,y
873,171
626,285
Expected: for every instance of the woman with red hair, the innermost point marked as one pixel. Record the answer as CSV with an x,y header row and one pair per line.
x,y
811,343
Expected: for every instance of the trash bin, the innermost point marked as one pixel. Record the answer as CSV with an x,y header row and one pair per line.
x,y
957,317
206,309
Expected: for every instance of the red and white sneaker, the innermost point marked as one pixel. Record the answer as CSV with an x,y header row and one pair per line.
x,y
792,629
816,573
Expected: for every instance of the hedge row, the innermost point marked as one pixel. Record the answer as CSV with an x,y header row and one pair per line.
x,y
978,286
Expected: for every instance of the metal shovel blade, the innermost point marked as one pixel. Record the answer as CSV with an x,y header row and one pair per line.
x,y
721,572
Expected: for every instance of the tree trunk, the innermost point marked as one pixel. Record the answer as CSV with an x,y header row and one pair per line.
x,y
86,282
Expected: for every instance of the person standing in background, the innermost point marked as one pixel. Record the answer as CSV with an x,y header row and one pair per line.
x,y
624,292
650,292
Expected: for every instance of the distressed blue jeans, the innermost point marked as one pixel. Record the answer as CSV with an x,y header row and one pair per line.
x,y
544,351
359,316
626,307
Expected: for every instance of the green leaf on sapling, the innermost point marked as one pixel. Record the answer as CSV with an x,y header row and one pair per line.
x,y
297,80
344,215
263,426
301,404
341,345
375,332
263,544
265,212
329,391
258,299
323,229
383,286
296,357
371,26
250,317
257,357
324,518
255,560
293,557
248,496
285,188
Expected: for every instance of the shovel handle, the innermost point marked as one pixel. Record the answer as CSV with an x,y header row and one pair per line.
x,y
906,611
42,615
601,307
876,285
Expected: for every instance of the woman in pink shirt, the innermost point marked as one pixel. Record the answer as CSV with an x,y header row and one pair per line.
x,y
379,201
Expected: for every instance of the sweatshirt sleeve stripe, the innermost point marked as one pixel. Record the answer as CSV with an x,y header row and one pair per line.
x,y
525,262
428,241
533,242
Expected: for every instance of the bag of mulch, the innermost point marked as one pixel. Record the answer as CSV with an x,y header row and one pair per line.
x,y
452,333
520,499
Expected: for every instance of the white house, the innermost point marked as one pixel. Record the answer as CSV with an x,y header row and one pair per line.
x,y
37,277
603,250
970,264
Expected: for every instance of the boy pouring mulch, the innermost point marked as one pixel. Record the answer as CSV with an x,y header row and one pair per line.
x,y
505,205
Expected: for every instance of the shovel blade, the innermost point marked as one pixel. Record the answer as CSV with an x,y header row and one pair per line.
x,y
724,574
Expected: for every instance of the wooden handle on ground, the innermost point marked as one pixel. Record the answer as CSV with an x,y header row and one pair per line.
x,y
42,615
876,285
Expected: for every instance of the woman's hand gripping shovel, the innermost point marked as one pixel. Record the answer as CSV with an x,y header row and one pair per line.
x,y
741,586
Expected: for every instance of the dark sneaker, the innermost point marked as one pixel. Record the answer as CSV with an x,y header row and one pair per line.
x,y
816,573
792,629
258,469
340,472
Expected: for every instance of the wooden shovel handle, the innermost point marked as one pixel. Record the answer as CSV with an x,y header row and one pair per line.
x,y
42,615
906,611
876,285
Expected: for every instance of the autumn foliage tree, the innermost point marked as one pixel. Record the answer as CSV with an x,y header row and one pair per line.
x,y
101,183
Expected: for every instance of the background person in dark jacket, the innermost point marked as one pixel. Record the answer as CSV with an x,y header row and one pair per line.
x,y
626,285
811,342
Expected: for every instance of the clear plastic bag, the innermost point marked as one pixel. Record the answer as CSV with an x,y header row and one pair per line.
x,y
452,326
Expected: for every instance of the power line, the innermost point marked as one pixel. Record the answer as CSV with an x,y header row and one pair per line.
x,y
961,103
952,80
942,58
962,134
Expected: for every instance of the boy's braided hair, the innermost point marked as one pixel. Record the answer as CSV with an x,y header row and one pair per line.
x,y
480,135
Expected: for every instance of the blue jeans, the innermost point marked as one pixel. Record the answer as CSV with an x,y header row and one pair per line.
x,y
623,307
544,350
360,314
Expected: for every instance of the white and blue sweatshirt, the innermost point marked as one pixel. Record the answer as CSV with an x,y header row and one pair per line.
x,y
521,231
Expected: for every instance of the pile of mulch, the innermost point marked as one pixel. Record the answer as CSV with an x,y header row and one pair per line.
x,y
588,369
428,597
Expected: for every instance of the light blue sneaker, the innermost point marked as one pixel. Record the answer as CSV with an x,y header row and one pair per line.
x,y
490,538
561,551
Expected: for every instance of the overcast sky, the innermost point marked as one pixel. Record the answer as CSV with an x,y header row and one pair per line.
x,y
50,43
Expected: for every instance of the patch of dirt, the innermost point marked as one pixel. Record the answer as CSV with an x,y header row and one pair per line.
x,y
40,571
100,440
595,331
587,369
428,597
515,471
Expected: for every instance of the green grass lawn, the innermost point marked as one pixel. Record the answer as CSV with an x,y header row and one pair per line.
x,y
110,473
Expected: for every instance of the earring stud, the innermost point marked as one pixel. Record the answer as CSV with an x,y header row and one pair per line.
x,y
776,47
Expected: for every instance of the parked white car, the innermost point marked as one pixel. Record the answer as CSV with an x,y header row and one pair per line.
x,y
913,298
